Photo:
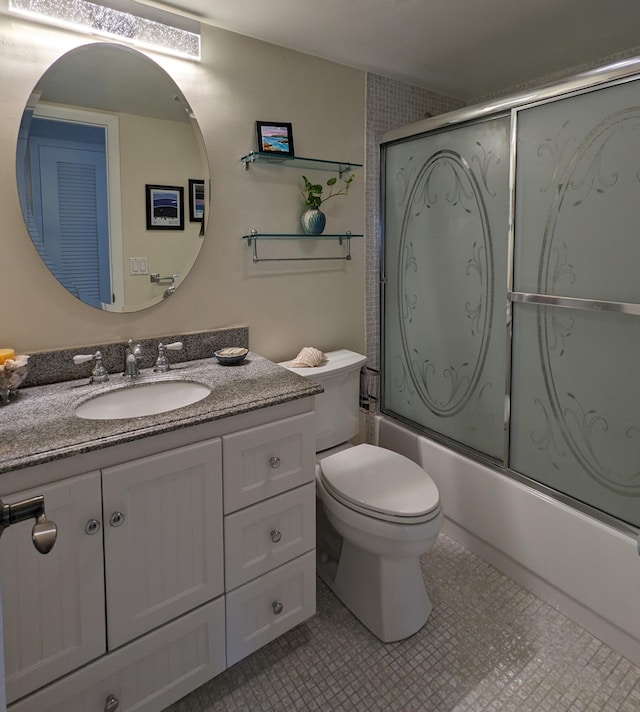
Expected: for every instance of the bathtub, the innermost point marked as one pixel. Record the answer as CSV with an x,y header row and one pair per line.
x,y
584,568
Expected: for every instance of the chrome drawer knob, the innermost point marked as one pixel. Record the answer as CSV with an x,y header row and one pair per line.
x,y
111,704
274,462
277,607
92,527
116,519
275,536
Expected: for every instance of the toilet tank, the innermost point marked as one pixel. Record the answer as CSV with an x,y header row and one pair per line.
x,y
337,409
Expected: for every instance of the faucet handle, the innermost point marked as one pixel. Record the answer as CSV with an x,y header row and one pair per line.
x,y
99,373
162,362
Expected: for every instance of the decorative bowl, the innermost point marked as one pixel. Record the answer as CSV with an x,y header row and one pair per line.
x,y
12,373
231,355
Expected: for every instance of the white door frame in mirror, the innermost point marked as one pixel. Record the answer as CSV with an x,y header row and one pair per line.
x,y
109,123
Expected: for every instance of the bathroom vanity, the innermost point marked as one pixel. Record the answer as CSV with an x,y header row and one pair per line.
x,y
185,539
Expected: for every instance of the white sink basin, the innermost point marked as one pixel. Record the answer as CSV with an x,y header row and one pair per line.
x,y
145,399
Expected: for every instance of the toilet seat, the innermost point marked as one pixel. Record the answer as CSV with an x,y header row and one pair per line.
x,y
381,484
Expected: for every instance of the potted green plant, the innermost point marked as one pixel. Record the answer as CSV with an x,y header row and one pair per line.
x,y
313,219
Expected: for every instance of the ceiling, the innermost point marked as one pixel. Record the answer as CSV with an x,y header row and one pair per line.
x,y
91,76
464,48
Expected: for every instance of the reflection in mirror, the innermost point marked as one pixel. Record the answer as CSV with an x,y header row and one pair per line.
x,y
102,124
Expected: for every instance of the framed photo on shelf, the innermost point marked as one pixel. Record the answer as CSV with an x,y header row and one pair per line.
x,y
196,200
165,207
275,137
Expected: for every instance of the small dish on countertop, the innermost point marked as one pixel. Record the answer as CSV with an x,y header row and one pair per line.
x,y
231,355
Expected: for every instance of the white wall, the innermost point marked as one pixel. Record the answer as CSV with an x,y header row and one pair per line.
x,y
238,81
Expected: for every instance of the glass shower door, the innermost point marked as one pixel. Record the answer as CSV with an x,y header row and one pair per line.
x,y
446,222
575,414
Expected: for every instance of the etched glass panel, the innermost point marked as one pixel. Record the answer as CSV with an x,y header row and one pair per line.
x,y
577,194
575,422
446,219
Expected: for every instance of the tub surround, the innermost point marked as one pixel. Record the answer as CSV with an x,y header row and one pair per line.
x,y
40,426
586,569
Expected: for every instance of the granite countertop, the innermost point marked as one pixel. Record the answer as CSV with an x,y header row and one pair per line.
x,y
40,426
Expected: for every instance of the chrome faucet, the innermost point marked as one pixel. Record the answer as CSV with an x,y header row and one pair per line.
x,y
132,356
99,373
162,362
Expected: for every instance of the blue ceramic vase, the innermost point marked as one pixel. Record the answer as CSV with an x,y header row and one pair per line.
x,y
313,221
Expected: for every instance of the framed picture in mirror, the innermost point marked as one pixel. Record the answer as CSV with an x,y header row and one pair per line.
x,y
196,200
165,207
275,137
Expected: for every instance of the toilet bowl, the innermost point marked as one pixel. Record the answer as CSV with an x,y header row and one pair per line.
x,y
378,574
378,511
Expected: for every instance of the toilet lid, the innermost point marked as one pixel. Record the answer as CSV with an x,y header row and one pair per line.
x,y
381,481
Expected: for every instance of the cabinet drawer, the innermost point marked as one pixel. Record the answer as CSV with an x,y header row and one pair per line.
x,y
146,675
266,535
268,460
261,610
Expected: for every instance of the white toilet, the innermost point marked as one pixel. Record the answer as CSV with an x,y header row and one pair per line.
x,y
380,511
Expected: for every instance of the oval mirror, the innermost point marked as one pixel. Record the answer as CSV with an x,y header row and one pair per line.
x,y
112,177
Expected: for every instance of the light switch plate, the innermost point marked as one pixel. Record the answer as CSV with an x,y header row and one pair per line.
x,y
138,265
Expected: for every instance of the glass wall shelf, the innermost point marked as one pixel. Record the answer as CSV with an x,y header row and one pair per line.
x,y
343,238
317,164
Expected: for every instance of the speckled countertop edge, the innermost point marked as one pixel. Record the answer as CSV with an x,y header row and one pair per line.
x,y
40,426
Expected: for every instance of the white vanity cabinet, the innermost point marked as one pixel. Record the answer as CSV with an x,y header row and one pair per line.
x,y
130,610
160,518
269,504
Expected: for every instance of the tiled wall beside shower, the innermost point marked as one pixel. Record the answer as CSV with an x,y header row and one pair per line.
x,y
389,104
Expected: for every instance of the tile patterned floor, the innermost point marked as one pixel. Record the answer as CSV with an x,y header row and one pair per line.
x,y
489,645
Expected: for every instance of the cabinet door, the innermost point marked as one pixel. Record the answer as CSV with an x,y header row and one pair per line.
x,y
163,538
146,675
268,460
53,605
266,535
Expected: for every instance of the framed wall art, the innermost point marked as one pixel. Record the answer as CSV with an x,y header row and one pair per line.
x,y
196,200
165,207
275,137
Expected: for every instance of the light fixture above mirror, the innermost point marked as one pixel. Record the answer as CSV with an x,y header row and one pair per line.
x,y
148,27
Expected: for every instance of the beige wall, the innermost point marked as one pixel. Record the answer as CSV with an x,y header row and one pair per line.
x,y
286,305
141,163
